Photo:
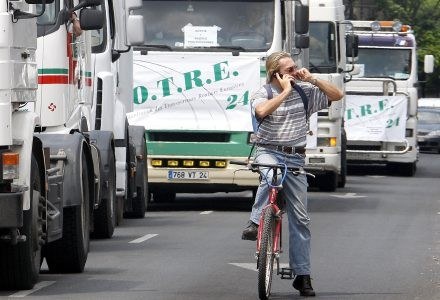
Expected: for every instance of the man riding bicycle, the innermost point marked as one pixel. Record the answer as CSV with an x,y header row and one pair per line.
x,y
282,114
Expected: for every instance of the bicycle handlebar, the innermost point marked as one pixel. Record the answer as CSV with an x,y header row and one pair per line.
x,y
254,167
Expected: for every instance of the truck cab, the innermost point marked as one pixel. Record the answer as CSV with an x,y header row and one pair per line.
x,y
382,96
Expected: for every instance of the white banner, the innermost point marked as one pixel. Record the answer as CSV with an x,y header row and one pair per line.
x,y
375,118
193,91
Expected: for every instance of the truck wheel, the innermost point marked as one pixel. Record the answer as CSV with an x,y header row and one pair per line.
x,y
105,216
139,203
328,182
20,264
69,254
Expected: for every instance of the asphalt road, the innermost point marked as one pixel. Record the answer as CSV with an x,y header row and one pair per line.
x,y
378,238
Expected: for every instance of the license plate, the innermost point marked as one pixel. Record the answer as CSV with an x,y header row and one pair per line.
x,y
188,175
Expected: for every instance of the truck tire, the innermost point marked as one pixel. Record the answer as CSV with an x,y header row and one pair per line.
x,y
69,254
139,205
105,216
20,264
140,202
328,182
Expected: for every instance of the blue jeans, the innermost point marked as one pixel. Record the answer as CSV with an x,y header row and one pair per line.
x,y
295,193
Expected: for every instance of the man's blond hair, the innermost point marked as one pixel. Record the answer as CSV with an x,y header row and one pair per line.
x,y
273,63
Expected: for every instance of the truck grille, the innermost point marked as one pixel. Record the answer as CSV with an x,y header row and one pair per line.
x,y
187,163
364,147
201,137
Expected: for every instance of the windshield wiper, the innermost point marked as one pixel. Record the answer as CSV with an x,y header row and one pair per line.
x,y
152,47
238,48
234,49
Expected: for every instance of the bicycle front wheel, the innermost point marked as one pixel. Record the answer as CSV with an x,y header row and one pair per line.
x,y
266,256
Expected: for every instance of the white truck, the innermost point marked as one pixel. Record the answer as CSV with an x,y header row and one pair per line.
x,y
381,100
47,184
192,83
326,59
112,72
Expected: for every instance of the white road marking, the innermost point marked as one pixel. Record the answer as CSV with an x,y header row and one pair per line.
x,y
253,266
206,212
348,195
38,286
142,239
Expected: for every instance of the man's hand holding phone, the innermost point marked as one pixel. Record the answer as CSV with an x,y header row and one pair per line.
x,y
286,81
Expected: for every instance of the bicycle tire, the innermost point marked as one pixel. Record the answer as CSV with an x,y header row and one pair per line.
x,y
266,256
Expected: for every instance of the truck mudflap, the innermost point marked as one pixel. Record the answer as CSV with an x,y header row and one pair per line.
x,y
11,210
405,150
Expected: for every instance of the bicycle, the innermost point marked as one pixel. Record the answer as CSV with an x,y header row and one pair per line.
x,y
269,238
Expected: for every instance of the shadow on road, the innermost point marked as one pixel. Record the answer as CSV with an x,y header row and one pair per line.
x,y
216,201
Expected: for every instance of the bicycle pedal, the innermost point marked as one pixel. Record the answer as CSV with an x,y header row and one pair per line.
x,y
286,273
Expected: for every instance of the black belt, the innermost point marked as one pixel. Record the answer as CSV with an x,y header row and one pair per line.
x,y
284,149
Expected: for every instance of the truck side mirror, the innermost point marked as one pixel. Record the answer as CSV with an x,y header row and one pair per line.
x,y
351,46
301,19
91,19
428,61
302,41
135,30
134,23
133,4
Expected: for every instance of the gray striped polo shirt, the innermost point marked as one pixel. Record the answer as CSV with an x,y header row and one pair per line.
x,y
287,125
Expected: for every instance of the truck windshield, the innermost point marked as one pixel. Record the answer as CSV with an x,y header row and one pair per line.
x,y
247,25
322,49
385,62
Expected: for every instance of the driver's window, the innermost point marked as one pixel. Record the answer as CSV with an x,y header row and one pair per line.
x,y
322,45
98,40
49,15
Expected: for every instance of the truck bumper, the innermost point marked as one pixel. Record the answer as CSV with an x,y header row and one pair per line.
x,y
323,163
376,158
11,210
228,179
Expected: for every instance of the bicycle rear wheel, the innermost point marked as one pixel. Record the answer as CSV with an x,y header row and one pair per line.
x,y
266,256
